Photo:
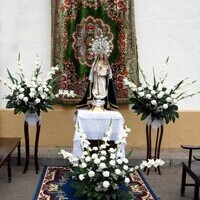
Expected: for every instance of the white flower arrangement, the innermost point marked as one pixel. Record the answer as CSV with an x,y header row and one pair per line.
x,y
30,96
156,100
151,163
101,170
65,94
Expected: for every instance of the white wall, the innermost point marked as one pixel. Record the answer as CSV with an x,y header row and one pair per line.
x,y
170,28
163,28
25,27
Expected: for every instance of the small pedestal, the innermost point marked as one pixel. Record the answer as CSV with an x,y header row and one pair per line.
x,y
158,142
26,135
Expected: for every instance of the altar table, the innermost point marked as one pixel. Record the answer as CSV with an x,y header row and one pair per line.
x,y
95,124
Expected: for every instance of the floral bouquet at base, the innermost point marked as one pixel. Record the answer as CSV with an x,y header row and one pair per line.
x,y
101,172
156,100
30,96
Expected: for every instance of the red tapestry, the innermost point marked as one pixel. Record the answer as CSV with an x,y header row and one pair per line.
x,y
75,24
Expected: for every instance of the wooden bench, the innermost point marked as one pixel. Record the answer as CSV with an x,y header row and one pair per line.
x,y
7,146
186,169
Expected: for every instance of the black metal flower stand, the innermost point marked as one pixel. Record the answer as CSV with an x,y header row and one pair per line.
x,y
27,145
158,142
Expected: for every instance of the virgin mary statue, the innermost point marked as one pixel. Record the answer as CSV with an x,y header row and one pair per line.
x,y
100,88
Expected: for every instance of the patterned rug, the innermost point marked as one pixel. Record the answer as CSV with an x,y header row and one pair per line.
x,y
55,184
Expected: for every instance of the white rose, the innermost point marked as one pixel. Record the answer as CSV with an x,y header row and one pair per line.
x,y
125,160
160,95
46,89
81,177
25,99
31,94
32,90
94,156
150,87
148,96
37,101
118,171
102,166
106,173
141,94
165,106
175,101
97,161
153,102
91,174
119,161
102,158
87,159
21,96
168,99
167,92
103,146
112,163
21,90
127,180
43,96
95,148
106,184
83,165
40,89
153,92
111,150
112,156
125,167
103,153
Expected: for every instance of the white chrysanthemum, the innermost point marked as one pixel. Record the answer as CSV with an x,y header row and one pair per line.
x,y
81,177
125,167
106,184
106,173
91,174
165,106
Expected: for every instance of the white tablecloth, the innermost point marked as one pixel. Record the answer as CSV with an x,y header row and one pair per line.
x,y
95,125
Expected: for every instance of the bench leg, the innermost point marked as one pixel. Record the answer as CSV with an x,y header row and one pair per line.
x,y
196,191
183,180
19,153
9,168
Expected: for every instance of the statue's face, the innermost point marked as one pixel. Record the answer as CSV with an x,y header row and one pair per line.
x,y
101,56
